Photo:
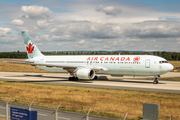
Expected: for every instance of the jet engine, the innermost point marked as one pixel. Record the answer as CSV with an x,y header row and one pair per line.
x,y
85,73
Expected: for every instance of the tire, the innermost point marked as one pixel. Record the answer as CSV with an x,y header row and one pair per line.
x,y
70,78
95,78
76,79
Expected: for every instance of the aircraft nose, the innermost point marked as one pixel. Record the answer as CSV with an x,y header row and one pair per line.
x,y
170,67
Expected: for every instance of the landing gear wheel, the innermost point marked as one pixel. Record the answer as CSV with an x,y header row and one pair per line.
x,y
70,78
95,78
73,79
155,81
76,79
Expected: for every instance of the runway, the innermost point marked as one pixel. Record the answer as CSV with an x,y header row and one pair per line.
x,y
125,83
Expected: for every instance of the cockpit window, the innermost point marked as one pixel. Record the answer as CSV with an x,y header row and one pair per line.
x,y
163,62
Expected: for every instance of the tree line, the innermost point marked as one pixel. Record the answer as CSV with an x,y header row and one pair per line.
x,y
175,56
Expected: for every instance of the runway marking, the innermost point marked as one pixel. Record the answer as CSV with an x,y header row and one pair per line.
x,y
42,114
64,118
2,115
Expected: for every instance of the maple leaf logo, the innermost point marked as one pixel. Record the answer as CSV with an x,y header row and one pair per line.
x,y
136,59
30,48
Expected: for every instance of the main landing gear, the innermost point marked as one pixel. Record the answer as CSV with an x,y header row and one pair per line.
x,y
76,78
95,78
73,79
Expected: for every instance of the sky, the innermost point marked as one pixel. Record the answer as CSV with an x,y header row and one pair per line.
x,y
91,25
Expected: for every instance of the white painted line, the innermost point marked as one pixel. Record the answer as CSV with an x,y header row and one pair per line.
x,y
42,114
64,118
2,115
2,107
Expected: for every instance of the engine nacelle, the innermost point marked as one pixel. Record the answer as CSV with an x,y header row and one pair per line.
x,y
85,73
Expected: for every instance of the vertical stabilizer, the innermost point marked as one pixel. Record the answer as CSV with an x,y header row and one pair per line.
x,y
32,50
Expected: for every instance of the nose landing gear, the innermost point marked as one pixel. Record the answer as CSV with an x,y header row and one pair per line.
x,y
156,79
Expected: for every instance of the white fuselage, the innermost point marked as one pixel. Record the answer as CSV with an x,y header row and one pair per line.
x,y
115,65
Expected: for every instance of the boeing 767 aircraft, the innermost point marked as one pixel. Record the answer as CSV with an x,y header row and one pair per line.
x,y
87,66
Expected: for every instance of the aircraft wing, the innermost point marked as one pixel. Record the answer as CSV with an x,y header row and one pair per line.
x,y
66,67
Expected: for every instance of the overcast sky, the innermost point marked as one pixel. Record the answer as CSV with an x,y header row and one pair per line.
x,y
71,25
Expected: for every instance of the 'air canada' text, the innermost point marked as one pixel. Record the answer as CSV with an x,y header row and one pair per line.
x,y
108,58
135,59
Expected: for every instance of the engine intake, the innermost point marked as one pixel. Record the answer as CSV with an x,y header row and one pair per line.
x,y
85,73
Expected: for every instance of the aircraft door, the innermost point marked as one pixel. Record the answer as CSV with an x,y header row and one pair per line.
x,y
89,62
147,63
41,61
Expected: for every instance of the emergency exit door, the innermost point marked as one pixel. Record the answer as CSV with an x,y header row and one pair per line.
x,y
147,63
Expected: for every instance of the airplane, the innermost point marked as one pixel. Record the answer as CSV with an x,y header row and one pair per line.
x,y
87,66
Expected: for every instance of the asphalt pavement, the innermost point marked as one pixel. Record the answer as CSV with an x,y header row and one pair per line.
x,y
126,83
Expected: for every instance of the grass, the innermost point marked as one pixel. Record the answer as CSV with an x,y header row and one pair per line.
x,y
104,102
3,117
172,79
10,67
176,63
